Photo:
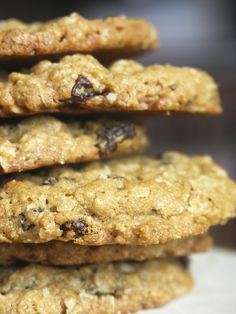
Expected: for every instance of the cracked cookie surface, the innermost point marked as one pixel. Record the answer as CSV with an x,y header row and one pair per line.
x,y
98,289
61,253
136,200
45,141
80,84
71,34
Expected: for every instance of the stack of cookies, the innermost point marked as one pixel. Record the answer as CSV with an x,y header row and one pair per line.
x,y
106,236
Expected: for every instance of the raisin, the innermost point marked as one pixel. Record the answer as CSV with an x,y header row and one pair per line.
x,y
24,223
80,227
50,181
81,91
110,135
86,87
64,229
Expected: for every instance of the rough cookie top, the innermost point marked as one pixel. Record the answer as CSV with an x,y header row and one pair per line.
x,y
67,253
136,200
79,83
44,141
74,33
98,289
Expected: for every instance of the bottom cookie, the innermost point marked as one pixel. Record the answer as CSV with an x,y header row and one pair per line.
x,y
68,253
99,288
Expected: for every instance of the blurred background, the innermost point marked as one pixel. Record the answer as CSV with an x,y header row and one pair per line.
x,y
192,33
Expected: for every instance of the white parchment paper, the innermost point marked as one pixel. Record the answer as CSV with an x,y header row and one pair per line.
x,y
215,286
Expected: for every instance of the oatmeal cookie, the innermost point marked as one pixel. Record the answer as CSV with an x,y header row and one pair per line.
x,y
98,288
45,141
135,200
79,84
109,37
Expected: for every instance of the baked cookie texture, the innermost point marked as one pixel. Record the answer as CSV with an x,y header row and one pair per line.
x,y
44,141
61,253
74,33
136,200
105,288
79,83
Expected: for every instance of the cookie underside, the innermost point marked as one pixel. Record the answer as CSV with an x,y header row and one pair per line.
x,y
61,253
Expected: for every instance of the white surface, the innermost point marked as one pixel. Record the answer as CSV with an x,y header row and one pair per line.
x,y
215,286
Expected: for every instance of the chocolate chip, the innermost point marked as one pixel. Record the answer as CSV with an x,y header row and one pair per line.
x,y
50,181
24,223
80,227
110,135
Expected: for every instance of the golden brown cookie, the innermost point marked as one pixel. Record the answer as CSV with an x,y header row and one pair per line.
x,y
79,84
136,200
98,289
109,37
44,141
61,253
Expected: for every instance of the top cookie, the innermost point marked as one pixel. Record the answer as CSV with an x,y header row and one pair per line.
x,y
137,200
109,37
79,82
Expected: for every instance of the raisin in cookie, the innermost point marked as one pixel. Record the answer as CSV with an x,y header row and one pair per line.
x,y
61,253
109,37
136,200
80,83
43,141
98,289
